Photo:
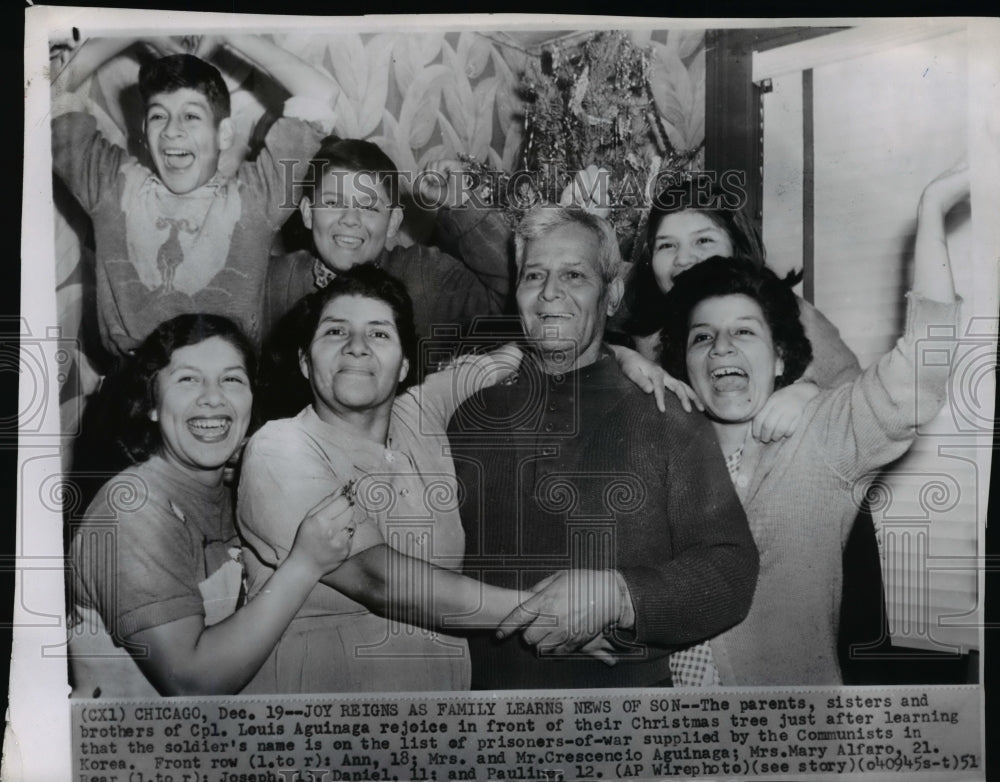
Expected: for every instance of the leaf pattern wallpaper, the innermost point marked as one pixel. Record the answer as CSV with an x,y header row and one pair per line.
x,y
421,96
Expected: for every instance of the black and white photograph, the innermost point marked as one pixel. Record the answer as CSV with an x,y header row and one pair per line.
x,y
504,397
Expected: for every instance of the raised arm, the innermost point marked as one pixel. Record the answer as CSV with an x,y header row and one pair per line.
x,y
94,52
874,420
932,277
298,77
85,60
184,657
833,362
477,235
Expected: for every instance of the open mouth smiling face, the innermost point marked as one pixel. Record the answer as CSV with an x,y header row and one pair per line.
x,y
210,430
203,406
183,138
731,360
730,379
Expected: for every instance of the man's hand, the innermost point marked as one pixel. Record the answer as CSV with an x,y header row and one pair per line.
x,y
568,611
780,415
600,648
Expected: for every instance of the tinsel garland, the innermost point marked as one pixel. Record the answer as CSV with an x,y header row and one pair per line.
x,y
588,103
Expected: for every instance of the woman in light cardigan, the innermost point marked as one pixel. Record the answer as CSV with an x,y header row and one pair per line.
x,y
734,333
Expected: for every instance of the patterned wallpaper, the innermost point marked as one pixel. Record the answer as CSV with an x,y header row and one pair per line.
x,y
420,96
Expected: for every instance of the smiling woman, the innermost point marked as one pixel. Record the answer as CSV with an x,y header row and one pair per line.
x,y
157,571
203,406
684,239
731,357
355,360
689,223
376,623
744,342
732,329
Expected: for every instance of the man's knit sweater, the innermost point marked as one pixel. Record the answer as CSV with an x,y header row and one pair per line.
x,y
582,471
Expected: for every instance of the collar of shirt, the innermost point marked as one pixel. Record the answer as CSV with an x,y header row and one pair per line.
x,y
733,461
603,371
209,189
323,276
368,456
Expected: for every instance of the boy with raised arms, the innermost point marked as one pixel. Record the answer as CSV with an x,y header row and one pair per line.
x,y
182,235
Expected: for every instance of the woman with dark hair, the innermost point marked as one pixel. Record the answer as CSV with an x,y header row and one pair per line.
x,y
721,277
733,331
689,223
363,628
157,583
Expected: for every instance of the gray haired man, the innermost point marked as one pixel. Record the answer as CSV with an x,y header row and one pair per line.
x,y
571,475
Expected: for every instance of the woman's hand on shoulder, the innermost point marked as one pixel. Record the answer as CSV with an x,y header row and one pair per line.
x,y
781,413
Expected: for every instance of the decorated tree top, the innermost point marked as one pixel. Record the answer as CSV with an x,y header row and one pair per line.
x,y
622,101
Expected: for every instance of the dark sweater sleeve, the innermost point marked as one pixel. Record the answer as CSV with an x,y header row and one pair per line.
x,y
289,278
704,583
444,291
482,240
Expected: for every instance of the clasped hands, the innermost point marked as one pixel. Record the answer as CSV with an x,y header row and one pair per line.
x,y
570,611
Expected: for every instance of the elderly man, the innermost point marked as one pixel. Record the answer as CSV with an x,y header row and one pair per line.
x,y
571,473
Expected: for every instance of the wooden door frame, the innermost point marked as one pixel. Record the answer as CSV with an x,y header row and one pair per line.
x,y
733,120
